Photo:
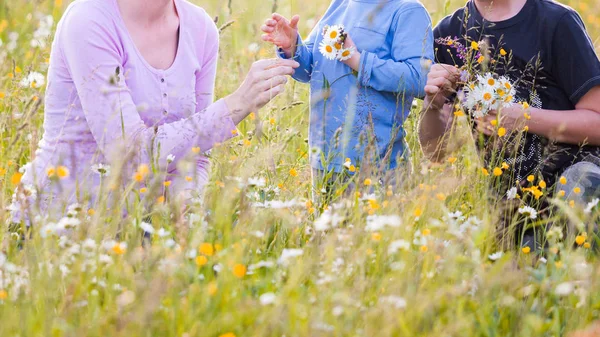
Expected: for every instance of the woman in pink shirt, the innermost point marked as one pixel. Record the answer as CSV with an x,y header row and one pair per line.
x,y
131,82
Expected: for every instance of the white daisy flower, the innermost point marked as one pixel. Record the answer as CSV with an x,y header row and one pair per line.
x,y
511,194
328,50
346,53
33,80
146,227
170,158
289,253
333,33
101,169
379,222
591,205
267,298
529,212
496,256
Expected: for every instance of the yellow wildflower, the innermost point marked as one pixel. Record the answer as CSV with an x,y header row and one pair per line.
x,y
368,182
503,52
474,45
580,240
3,295
501,132
293,172
497,172
201,260
167,183
526,250
563,180
376,237
577,190
239,270
485,171
62,172
206,249
16,178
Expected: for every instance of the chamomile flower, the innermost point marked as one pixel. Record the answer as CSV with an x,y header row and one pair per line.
x,y
511,194
333,33
33,80
101,169
346,54
495,256
530,212
328,50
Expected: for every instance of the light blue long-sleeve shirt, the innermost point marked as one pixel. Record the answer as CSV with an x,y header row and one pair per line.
x,y
360,116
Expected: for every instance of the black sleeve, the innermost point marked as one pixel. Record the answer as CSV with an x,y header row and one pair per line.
x,y
575,64
440,49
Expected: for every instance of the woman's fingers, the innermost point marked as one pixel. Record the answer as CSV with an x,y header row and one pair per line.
x,y
273,63
431,89
269,94
484,127
274,72
271,82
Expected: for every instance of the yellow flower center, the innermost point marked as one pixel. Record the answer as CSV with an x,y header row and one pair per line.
x,y
491,81
329,49
487,96
333,34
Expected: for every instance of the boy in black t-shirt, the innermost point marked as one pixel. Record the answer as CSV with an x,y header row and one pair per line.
x,y
551,60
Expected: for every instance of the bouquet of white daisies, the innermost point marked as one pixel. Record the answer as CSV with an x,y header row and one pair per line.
x,y
488,92
332,46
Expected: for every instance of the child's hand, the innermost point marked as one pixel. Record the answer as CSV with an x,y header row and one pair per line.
x,y
354,61
282,33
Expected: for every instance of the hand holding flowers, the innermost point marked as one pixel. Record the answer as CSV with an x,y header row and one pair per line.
x,y
337,45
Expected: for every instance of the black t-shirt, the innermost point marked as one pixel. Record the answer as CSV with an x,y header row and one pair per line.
x,y
551,60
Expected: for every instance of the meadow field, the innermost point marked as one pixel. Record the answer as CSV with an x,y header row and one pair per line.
x,y
256,256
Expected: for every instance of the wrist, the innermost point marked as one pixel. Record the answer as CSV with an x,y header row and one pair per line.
x,y
237,110
290,50
354,61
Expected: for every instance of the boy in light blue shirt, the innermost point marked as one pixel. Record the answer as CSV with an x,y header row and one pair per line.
x,y
358,105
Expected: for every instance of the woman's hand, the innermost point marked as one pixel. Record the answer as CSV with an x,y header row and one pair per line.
x,y
282,33
512,119
265,80
442,82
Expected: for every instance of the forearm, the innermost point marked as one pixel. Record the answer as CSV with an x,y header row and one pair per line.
x,y
572,127
392,76
433,126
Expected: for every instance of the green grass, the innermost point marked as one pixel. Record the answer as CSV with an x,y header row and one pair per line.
x,y
347,282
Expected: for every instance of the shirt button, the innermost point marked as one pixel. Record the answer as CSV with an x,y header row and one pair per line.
x,y
165,94
162,80
165,112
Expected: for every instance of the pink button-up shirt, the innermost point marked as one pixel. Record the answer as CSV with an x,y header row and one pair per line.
x,y
96,114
